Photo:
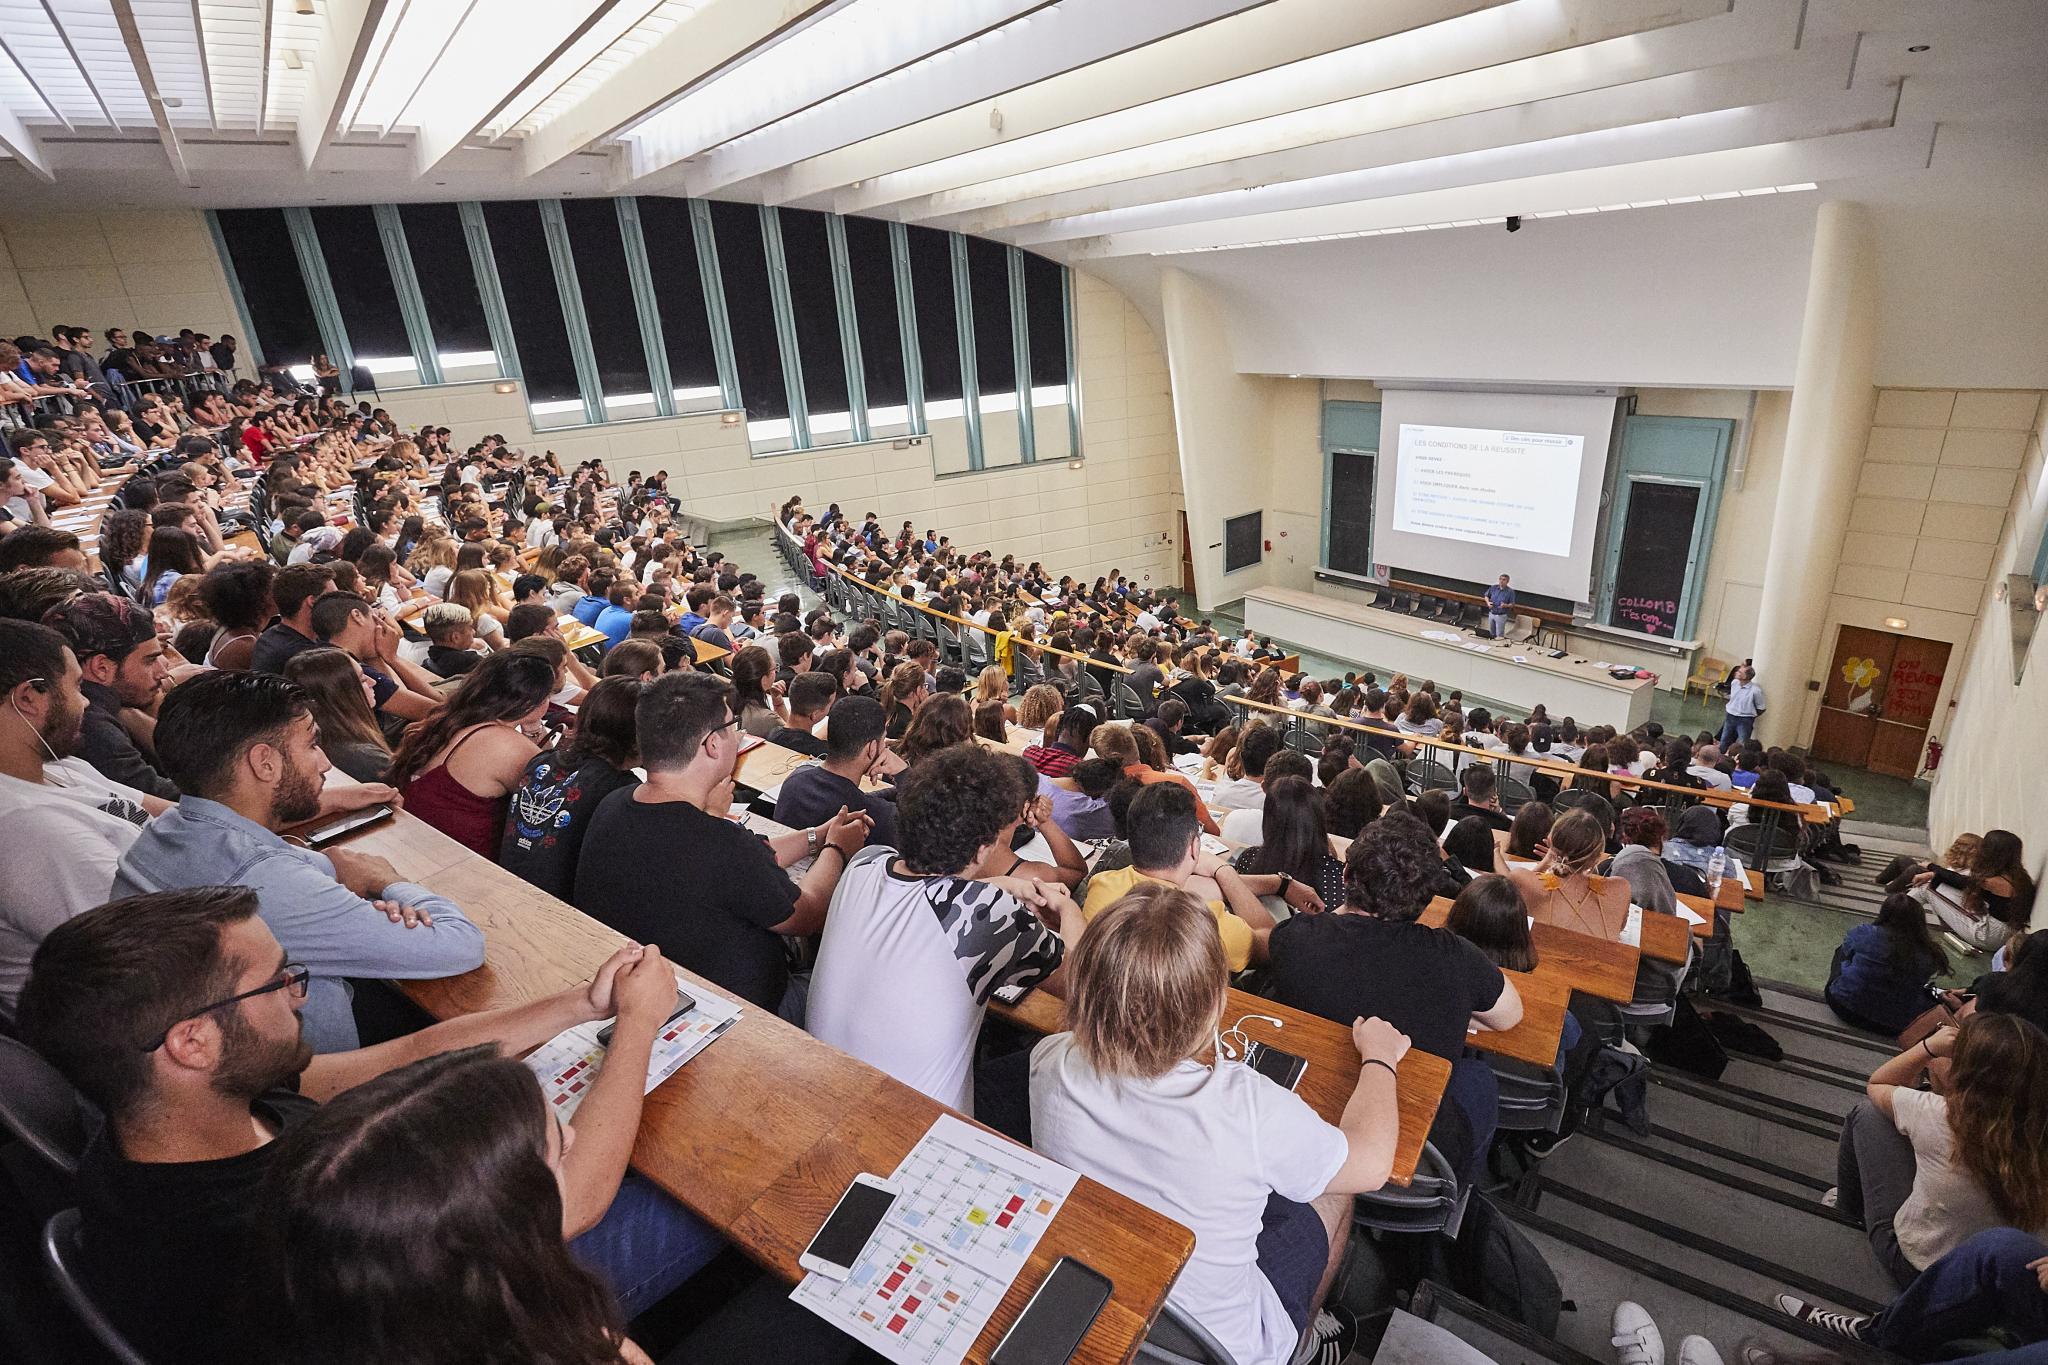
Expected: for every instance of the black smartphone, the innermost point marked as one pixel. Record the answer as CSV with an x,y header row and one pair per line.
x,y
346,824
1275,1065
685,1002
1060,1312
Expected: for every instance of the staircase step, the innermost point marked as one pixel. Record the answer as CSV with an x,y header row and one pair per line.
x,y
1837,1046
1799,1113
1756,1131
1675,1145
1791,1083
1501,1340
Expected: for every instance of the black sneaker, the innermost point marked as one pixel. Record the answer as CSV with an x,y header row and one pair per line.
x,y
1330,1339
1850,1325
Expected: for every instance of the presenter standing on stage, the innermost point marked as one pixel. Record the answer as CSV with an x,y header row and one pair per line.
x,y
1745,703
1500,603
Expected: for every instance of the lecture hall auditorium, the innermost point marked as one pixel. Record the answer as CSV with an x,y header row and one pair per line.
x,y
1248,682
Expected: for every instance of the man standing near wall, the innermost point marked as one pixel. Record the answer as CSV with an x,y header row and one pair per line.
x,y
1500,603
1745,703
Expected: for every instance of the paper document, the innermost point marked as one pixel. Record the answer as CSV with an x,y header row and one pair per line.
x,y
972,1208
1632,931
568,1063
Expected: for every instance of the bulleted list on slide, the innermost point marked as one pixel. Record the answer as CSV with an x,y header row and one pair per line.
x,y
1514,489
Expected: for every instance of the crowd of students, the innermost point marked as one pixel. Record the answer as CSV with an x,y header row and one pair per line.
x,y
276,1163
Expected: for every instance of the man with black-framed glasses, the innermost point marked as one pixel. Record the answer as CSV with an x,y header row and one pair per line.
x,y
178,1015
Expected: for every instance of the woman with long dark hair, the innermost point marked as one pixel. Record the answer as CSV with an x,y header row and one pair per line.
x,y
560,790
756,694
340,695
939,724
173,553
1489,915
1879,978
1295,840
457,768
1997,894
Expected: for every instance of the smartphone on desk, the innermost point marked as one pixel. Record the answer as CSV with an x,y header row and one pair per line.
x,y
1283,1068
685,1002
853,1220
1058,1315
347,824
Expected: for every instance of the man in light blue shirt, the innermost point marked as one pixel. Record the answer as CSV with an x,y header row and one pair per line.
x,y
1745,703
246,754
1500,604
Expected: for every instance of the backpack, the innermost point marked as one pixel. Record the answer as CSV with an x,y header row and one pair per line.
x,y
1494,1263
1688,1044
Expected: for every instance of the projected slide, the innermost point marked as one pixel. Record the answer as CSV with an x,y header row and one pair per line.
x,y
1516,489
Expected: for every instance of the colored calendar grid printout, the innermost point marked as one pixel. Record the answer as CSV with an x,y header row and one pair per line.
x,y
568,1063
971,1209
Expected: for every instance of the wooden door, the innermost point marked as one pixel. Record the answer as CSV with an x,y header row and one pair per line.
x,y
1879,700
1187,557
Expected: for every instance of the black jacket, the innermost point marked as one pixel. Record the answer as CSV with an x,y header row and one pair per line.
x,y
106,744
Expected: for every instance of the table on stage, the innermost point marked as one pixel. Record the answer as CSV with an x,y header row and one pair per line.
x,y
761,1132
1385,639
1331,1055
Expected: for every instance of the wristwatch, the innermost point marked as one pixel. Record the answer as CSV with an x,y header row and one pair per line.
x,y
812,836
1286,880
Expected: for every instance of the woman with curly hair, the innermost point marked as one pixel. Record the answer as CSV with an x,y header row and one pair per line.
x,y
1038,705
124,543
237,597
939,724
1371,956
1922,1171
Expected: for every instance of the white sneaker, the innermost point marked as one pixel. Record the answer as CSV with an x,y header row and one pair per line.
x,y
1636,1338
1832,1198
1697,1351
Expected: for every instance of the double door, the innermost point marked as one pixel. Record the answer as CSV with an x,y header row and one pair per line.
x,y
1879,700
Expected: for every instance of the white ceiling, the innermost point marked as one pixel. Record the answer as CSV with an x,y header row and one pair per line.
x,y
1089,129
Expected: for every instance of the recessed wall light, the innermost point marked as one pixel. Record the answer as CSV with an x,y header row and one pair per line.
x,y
302,6
505,386
1894,623
1920,47
730,419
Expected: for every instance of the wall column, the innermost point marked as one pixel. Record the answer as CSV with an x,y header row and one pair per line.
x,y
1826,430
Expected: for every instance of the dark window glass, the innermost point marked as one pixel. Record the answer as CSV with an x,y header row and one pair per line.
x,y
1242,538
938,337
743,266
361,275
607,290
679,294
1045,314
874,302
260,245
440,262
526,275
1351,475
815,307
988,290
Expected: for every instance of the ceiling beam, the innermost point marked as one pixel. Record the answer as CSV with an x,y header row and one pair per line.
x,y
708,41
34,84
1879,151
841,52
1556,95
71,49
138,54
1305,97
351,24
19,142
205,66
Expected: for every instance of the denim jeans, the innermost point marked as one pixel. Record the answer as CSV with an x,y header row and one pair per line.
x,y
645,1245
1497,623
1735,729
1983,1283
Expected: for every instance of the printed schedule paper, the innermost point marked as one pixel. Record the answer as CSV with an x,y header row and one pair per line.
x,y
568,1062
972,1208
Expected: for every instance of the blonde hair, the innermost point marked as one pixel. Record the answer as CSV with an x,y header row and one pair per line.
x,y
474,589
992,684
434,552
1146,984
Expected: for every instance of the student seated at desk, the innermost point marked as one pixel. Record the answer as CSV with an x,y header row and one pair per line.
x,y
1528,836
811,697
1368,956
1166,846
452,633
1479,795
1130,1097
561,789
1563,890
179,1016
944,922
1293,840
457,770
854,749
339,695
723,903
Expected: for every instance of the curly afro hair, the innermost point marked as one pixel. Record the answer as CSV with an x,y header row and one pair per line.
x,y
952,805
1393,867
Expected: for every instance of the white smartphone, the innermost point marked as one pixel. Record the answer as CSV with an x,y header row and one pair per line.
x,y
853,1220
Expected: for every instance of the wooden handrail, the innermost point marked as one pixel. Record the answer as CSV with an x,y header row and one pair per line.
x,y
1551,766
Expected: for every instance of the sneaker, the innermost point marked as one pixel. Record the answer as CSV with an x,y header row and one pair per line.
x,y
1832,1198
1330,1338
1697,1351
1541,1145
1636,1338
1848,1325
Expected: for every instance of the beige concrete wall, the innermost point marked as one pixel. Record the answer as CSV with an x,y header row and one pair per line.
x,y
154,268
1117,511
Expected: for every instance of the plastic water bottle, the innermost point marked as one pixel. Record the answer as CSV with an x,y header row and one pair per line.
x,y
1715,866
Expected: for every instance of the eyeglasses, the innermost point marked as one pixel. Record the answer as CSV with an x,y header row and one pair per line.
x,y
293,978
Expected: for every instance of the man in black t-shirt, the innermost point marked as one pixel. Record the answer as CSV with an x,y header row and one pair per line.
x,y
810,697
177,1014
727,904
1479,795
854,747
1369,957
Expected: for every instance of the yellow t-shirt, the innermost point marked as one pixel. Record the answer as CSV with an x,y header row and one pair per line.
x,y
1107,888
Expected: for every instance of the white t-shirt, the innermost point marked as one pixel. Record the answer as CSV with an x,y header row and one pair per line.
x,y
942,945
63,838
1245,827
1947,1206
1204,1147
1242,793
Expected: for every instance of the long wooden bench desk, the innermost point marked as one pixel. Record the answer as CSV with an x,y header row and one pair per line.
x,y
761,1132
1332,1062
1597,966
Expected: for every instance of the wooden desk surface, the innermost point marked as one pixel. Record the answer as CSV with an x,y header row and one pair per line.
x,y
763,1159
1332,1062
711,654
1536,1038
1597,966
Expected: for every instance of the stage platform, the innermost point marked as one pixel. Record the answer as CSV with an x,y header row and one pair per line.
x,y
1518,674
